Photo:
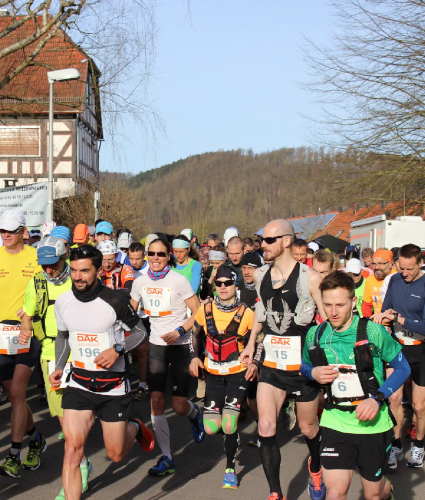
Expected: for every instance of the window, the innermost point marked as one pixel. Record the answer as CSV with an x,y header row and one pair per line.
x,y
20,141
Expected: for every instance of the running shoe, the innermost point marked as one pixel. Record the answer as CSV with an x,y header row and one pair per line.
x,y
416,459
230,481
396,455
316,486
35,449
289,415
163,466
144,435
86,472
198,430
276,496
61,436
141,394
11,467
254,442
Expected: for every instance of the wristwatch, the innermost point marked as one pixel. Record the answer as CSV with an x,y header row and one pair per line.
x,y
181,331
379,397
395,320
119,349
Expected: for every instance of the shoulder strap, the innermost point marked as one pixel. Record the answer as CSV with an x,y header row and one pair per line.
x,y
319,332
233,326
362,329
305,289
261,273
209,318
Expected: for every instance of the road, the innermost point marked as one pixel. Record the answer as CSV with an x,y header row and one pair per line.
x,y
199,467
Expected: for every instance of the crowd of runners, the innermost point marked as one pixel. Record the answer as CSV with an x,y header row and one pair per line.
x,y
333,342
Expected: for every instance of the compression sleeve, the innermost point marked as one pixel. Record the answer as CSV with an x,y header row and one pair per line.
x,y
195,342
398,377
306,369
138,335
62,349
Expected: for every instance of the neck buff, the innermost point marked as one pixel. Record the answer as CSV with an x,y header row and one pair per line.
x,y
88,295
60,280
159,275
215,255
249,286
226,307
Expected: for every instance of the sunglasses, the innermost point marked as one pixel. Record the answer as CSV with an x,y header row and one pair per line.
x,y
16,231
226,283
160,254
86,250
272,239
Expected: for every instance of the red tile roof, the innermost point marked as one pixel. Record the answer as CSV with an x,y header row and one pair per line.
x,y
28,92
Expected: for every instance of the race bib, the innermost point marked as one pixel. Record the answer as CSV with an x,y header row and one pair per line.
x,y
9,343
156,300
223,368
66,371
86,347
347,385
283,353
407,337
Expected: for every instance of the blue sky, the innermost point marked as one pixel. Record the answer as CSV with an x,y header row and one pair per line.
x,y
227,76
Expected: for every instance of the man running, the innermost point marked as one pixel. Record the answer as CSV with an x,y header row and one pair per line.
x,y
300,252
91,321
114,275
382,267
235,252
288,293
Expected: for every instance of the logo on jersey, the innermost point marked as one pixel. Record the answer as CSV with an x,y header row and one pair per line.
x,y
87,337
155,291
277,322
276,341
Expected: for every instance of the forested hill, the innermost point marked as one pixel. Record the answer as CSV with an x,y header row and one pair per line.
x,y
212,191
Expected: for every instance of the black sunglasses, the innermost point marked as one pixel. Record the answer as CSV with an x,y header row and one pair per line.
x,y
160,254
272,239
16,231
86,250
226,283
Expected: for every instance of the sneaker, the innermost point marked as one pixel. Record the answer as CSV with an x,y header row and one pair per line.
x,y
230,481
144,436
86,472
254,442
316,486
141,394
11,467
276,496
198,430
35,449
289,415
416,459
61,495
396,455
61,436
163,466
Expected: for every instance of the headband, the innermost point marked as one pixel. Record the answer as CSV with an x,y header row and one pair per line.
x,y
216,255
384,254
180,244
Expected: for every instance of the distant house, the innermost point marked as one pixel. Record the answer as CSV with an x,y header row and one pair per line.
x,y
24,110
308,226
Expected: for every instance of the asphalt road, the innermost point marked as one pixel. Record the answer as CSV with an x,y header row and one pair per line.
x,y
199,467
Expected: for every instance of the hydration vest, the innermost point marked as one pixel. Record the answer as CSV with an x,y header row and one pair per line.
x,y
42,304
222,346
364,367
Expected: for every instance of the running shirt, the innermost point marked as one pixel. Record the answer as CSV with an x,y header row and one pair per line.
x,y
372,294
15,272
118,278
193,272
164,301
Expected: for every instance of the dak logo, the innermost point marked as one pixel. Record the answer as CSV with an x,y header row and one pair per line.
x,y
275,341
86,337
155,291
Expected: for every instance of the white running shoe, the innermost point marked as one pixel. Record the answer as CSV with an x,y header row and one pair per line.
x,y
416,459
396,455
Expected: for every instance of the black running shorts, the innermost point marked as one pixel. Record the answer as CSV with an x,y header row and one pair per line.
x,y
9,361
224,393
295,386
415,355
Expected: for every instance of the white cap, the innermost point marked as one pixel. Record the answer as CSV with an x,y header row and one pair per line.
x,y
188,233
50,250
353,266
10,220
230,233
48,228
107,247
150,238
314,246
260,232
125,240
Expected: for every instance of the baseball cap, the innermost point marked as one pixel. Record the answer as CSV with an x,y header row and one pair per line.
x,y
125,240
226,272
260,232
351,248
314,246
230,233
188,233
107,247
150,238
251,259
81,232
104,227
35,232
92,230
48,228
353,266
62,232
50,250
10,220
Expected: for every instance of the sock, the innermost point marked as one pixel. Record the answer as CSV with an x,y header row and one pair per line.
x,y
15,449
270,458
162,434
84,462
314,447
231,445
133,422
142,385
193,412
397,443
419,443
31,434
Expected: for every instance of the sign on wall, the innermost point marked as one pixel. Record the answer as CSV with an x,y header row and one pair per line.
x,y
30,199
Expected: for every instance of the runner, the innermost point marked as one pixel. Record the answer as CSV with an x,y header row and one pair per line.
x,y
382,266
186,265
104,231
356,425
300,252
165,296
64,234
353,269
248,245
288,293
18,264
91,320
404,305
225,323
217,257
112,274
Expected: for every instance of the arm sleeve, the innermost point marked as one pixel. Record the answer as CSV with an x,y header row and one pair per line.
x,y
195,343
398,377
306,369
62,349
138,335
367,309
195,279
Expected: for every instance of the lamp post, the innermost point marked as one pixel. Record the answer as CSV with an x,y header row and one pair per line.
x,y
60,75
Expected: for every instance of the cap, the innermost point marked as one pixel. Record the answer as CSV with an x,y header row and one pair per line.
x,y
251,259
92,230
50,250
188,233
104,227
226,272
48,228
230,233
314,246
260,232
62,232
81,232
35,232
125,240
107,247
353,266
10,220
150,238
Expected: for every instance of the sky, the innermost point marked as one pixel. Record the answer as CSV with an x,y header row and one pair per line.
x,y
227,76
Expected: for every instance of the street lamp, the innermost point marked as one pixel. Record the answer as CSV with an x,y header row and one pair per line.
x,y
61,75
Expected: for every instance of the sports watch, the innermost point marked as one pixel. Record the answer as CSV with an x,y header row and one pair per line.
x,y
119,349
379,397
181,331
